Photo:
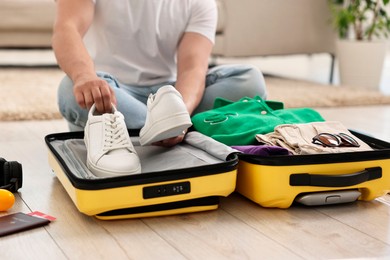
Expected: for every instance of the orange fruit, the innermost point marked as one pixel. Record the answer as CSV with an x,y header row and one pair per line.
x,y
7,199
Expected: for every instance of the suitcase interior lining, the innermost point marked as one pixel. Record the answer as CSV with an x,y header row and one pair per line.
x,y
197,150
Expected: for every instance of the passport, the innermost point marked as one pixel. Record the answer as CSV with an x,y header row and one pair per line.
x,y
18,222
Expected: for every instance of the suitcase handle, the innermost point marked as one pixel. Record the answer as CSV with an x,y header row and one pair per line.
x,y
321,180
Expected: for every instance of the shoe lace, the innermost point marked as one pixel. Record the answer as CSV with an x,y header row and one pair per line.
x,y
115,135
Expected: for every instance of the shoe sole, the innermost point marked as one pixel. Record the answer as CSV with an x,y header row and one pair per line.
x,y
102,173
164,129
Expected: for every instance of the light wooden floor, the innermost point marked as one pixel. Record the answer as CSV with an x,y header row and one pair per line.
x,y
239,229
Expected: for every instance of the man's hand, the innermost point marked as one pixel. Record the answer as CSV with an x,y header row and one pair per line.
x,y
170,142
94,91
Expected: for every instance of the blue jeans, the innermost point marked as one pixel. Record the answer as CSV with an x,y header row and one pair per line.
x,y
227,81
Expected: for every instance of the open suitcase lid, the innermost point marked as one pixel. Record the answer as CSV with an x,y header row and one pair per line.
x,y
316,179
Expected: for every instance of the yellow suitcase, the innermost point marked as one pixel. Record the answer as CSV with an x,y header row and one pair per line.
x,y
188,178
320,179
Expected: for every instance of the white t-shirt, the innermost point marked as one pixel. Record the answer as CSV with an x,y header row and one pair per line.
x,y
136,40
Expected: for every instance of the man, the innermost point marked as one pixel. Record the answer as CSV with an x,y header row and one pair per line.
x,y
118,52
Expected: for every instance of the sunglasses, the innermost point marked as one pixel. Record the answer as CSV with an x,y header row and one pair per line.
x,y
335,140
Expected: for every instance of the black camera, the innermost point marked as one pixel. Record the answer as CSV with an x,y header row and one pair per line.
x,y
11,177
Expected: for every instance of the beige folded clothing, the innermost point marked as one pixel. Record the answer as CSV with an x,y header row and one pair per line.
x,y
298,138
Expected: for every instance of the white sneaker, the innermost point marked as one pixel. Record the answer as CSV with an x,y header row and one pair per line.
x,y
109,148
167,116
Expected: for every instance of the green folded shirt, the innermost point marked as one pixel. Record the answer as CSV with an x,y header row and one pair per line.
x,y
237,123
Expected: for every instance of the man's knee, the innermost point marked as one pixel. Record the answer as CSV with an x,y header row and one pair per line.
x,y
67,104
247,80
245,76
65,87
255,81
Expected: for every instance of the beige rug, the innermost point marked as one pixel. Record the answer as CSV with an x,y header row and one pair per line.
x,y
28,94
299,93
